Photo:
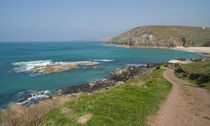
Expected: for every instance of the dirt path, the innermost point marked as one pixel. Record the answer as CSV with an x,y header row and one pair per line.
x,y
187,105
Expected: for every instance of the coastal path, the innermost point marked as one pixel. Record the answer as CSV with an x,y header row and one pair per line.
x,y
186,105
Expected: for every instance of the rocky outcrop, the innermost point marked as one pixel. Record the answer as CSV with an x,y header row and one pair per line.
x,y
56,68
117,77
162,37
91,64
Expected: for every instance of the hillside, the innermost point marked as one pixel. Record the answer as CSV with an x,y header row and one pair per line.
x,y
163,36
197,73
128,103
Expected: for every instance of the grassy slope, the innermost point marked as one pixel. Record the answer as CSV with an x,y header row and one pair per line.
x,y
196,35
192,34
128,104
202,67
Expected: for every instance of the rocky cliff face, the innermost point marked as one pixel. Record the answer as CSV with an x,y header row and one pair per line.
x,y
163,36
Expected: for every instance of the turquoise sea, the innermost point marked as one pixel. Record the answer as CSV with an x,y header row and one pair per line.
x,y
22,55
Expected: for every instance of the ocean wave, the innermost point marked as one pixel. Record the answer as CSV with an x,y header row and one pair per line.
x,y
136,64
26,98
31,66
104,60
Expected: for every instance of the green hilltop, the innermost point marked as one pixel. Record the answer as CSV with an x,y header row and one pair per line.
x,y
164,36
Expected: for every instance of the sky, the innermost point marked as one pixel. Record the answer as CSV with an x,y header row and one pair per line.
x,y
70,20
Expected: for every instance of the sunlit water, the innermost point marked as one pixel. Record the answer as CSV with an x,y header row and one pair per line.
x,y
21,56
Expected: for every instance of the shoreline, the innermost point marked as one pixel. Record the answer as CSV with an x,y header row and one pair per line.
x,y
202,50
119,76
122,92
100,84
126,46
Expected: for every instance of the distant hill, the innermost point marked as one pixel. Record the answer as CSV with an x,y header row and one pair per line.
x,y
163,36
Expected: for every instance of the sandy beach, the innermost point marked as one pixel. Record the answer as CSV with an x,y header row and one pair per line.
x,y
204,50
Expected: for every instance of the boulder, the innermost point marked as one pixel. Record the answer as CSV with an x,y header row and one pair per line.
x,y
56,68
91,64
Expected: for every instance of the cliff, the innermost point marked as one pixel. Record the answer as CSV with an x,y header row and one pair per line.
x,y
163,36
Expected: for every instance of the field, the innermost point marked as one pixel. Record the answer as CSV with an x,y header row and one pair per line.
x,y
196,73
202,67
127,104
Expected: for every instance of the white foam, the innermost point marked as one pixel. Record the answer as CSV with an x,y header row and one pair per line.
x,y
32,65
179,61
104,60
76,63
136,64
173,61
23,103
36,96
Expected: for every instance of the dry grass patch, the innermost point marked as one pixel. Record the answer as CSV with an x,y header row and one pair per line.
x,y
84,119
18,115
67,112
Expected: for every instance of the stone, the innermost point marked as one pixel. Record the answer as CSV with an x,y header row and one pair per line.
x,y
25,98
84,119
56,68
91,63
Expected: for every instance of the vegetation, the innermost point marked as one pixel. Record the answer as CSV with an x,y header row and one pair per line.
x,y
198,39
207,44
18,115
201,67
163,36
197,73
194,36
127,104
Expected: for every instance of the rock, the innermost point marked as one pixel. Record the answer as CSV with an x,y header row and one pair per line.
x,y
160,37
56,68
41,92
91,63
118,77
59,67
35,67
80,63
196,59
119,82
25,98
181,59
91,84
84,119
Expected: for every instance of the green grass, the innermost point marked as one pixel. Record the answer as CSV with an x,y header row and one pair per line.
x,y
162,34
206,117
128,104
198,39
201,67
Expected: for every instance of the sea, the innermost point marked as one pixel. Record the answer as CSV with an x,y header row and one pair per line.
x,y
17,80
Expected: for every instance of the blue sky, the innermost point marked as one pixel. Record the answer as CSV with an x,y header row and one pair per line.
x,y
66,20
